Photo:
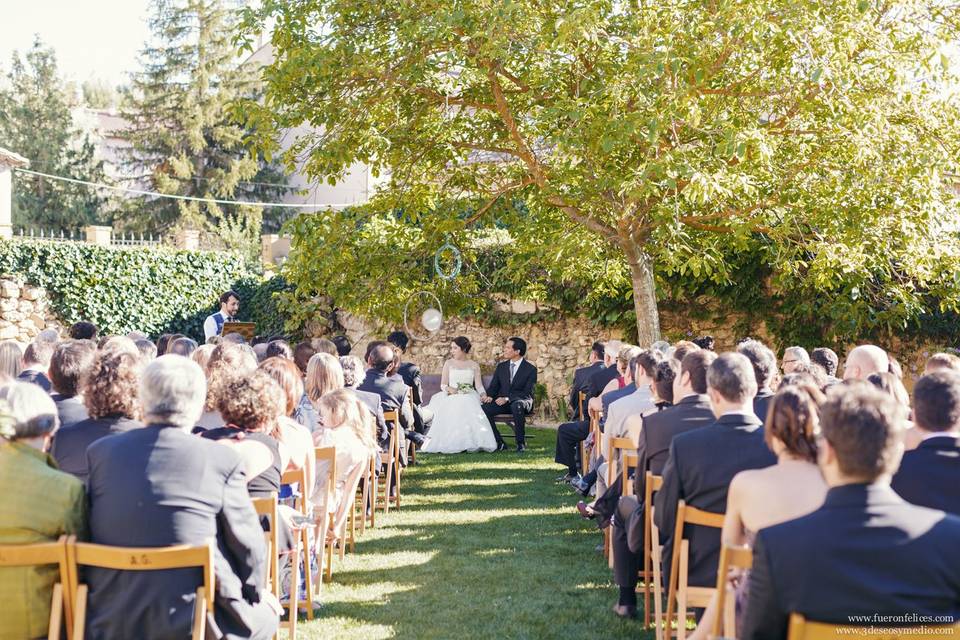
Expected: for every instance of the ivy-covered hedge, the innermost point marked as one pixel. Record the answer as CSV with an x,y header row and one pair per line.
x,y
153,290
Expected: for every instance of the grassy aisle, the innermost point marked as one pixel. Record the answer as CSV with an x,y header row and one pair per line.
x,y
486,546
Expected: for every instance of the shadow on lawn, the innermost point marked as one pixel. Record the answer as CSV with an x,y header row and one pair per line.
x,y
475,568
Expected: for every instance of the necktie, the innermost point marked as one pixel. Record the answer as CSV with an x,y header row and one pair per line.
x,y
513,370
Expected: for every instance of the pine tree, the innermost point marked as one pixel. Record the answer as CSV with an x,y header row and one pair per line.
x,y
183,138
35,121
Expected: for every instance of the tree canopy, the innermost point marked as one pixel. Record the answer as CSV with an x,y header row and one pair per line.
x,y
35,121
820,137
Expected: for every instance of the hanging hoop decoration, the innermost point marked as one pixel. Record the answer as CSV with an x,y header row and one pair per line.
x,y
431,319
455,257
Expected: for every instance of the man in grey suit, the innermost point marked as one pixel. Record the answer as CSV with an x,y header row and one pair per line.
x,y
392,391
159,486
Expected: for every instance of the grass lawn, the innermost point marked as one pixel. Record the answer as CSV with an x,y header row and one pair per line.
x,y
485,546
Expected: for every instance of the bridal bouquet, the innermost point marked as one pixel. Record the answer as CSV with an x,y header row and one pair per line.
x,y
464,387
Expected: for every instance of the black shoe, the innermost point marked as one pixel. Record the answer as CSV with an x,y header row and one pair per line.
x,y
501,447
566,478
521,448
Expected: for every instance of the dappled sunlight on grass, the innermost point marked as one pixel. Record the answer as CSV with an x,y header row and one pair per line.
x,y
485,546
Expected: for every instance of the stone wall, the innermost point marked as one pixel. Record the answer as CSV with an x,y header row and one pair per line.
x,y
23,311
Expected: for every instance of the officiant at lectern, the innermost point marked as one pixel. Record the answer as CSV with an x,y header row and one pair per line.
x,y
229,306
511,391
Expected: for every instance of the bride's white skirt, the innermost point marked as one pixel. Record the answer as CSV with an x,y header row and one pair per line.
x,y
459,424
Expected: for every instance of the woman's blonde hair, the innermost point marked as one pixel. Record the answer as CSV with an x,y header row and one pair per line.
x,y
201,355
11,358
346,410
324,375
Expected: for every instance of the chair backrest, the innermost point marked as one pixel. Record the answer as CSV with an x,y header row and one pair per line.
x,y
39,554
617,445
629,461
298,477
802,629
582,405
326,456
686,515
267,507
84,554
731,557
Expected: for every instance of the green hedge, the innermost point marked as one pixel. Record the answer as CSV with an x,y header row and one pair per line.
x,y
153,290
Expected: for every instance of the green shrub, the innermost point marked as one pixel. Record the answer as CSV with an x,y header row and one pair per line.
x,y
153,290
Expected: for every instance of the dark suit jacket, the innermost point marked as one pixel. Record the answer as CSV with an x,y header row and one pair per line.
x,y
36,377
412,378
581,382
659,430
520,389
372,402
929,475
70,443
392,392
865,552
761,402
699,468
600,379
71,410
160,486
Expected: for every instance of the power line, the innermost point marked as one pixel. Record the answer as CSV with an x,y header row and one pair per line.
x,y
190,198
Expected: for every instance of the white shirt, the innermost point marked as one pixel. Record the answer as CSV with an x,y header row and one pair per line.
x,y
210,325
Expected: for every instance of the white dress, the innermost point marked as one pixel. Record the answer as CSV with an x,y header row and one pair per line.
x,y
459,423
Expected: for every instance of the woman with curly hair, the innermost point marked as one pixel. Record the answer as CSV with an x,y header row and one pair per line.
x,y
251,406
227,360
111,394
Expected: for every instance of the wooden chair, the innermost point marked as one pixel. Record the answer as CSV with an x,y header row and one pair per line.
x,y
370,491
411,445
267,507
679,592
324,456
650,573
628,462
361,505
393,462
584,454
731,557
140,559
45,553
615,446
802,629
299,476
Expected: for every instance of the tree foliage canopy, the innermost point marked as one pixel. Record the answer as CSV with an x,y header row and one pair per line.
x,y
35,121
820,137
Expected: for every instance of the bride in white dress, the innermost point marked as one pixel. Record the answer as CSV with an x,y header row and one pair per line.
x,y
459,423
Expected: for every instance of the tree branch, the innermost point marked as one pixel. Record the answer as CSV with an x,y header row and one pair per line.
x,y
526,182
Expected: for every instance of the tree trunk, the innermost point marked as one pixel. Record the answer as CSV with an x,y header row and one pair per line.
x,y
644,293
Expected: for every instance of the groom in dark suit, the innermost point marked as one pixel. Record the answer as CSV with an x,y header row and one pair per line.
x,y
511,391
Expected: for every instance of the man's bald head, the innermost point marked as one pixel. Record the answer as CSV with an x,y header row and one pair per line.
x,y
864,361
381,357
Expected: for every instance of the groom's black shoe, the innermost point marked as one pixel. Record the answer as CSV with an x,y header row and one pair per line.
x,y
501,447
521,448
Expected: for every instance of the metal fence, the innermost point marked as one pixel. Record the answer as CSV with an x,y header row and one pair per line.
x,y
117,239
135,240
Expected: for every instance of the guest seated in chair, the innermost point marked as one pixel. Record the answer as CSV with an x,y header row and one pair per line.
x,y
160,486
37,504
865,552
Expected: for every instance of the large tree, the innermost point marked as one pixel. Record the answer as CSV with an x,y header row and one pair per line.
x,y
676,132
184,138
35,121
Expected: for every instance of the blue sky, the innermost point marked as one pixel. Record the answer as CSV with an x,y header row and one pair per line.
x,y
92,38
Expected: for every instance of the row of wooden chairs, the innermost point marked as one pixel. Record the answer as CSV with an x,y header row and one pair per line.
x,y
681,596
68,607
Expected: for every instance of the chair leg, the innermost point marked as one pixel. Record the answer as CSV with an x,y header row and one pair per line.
x,y
56,613
682,591
655,557
307,577
80,613
199,615
294,588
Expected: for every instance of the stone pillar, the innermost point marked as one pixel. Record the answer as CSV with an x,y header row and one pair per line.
x,y
8,161
188,239
266,247
100,236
